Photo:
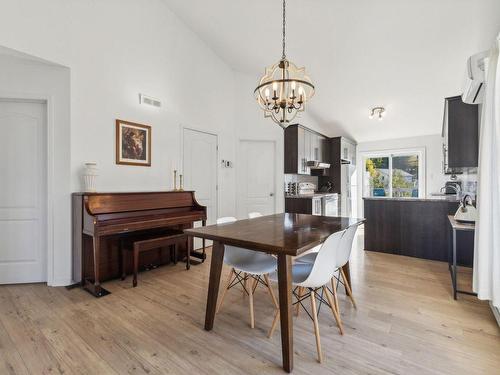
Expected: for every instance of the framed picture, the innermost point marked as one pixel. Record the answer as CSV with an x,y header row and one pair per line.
x,y
133,143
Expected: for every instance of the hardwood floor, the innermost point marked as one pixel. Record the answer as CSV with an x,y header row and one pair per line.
x,y
406,323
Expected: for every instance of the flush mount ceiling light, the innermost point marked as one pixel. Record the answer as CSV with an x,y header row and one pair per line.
x,y
284,89
377,111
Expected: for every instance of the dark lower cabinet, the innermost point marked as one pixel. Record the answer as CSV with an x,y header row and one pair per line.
x,y
382,227
416,228
299,205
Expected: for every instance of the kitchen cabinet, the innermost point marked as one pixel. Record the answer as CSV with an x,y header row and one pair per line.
x,y
302,145
348,150
414,227
305,205
460,133
342,158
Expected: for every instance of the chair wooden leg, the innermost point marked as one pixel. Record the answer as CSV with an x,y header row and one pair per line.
x,y
300,293
334,292
275,323
250,300
228,283
314,312
348,287
271,292
335,311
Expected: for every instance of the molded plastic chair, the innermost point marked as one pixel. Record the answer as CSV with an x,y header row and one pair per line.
x,y
254,266
311,280
253,215
344,252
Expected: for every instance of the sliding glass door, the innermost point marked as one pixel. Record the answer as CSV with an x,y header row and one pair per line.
x,y
393,174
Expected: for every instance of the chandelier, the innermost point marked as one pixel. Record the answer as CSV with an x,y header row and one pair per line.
x,y
284,89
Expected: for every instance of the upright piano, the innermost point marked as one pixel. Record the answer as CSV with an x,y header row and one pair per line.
x,y
100,220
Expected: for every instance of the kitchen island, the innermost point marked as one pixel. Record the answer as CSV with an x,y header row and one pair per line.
x,y
416,227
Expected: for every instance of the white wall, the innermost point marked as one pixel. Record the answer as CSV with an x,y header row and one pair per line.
x,y
116,49
25,79
434,176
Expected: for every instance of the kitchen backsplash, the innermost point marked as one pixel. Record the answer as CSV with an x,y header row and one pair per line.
x,y
300,178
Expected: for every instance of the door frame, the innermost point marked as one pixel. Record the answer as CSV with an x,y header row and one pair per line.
x,y
238,159
181,158
50,181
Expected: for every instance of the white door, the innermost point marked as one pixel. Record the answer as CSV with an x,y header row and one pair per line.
x,y
256,177
23,194
200,170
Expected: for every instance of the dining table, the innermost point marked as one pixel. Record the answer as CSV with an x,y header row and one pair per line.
x,y
285,235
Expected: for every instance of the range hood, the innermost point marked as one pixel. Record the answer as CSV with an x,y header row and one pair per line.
x,y
314,164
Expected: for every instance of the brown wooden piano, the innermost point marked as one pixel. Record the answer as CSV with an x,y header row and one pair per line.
x,y
101,220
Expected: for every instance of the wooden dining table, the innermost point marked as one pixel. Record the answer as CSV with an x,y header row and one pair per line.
x,y
285,235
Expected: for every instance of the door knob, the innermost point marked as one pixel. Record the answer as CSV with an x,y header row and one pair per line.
x,y
271,194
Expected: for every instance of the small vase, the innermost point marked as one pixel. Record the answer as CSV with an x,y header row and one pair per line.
x,y
90,176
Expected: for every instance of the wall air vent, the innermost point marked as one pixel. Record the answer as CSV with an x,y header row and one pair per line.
x,y
149,100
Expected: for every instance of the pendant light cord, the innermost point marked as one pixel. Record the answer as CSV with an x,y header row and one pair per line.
x,y
283,56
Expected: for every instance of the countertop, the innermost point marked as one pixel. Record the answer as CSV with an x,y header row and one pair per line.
x,y
309,196
429,198
458,225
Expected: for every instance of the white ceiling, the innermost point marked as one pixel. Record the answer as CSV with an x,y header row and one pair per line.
x,y
404,54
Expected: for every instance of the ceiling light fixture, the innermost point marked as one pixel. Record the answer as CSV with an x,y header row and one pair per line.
x,y
377,111
284,89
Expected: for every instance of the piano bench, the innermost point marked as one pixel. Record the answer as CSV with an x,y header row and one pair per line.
x,y
172,241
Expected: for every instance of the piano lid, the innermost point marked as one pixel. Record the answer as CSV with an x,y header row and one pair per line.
x,y
102,203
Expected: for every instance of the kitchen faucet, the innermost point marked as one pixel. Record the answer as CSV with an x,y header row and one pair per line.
x,y
454,187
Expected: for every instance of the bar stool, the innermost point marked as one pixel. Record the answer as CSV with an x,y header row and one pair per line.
x,y
172,241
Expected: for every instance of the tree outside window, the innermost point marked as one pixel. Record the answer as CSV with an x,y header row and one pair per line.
x,y
393,175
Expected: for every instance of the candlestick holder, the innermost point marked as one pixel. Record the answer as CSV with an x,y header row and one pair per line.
x,y
175,179
181,188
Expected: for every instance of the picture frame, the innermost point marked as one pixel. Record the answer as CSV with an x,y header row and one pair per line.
x,y
133,143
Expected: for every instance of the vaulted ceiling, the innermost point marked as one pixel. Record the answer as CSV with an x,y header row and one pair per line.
x,y
406,55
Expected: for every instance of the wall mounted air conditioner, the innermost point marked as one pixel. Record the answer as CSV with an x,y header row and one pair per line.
x,y
473,89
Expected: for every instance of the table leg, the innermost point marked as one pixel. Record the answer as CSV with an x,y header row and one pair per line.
x,y
213,283
454,271
285,296
347,273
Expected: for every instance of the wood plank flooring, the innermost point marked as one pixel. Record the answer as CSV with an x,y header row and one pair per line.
x,y
406,323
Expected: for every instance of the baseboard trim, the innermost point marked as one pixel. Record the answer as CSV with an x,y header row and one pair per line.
x,y
60,282
496,313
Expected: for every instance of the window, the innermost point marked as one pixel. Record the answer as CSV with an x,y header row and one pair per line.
x,y
397,174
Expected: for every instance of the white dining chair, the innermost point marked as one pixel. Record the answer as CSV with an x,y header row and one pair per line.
x,y
253,215
247,265
345,253
310,280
